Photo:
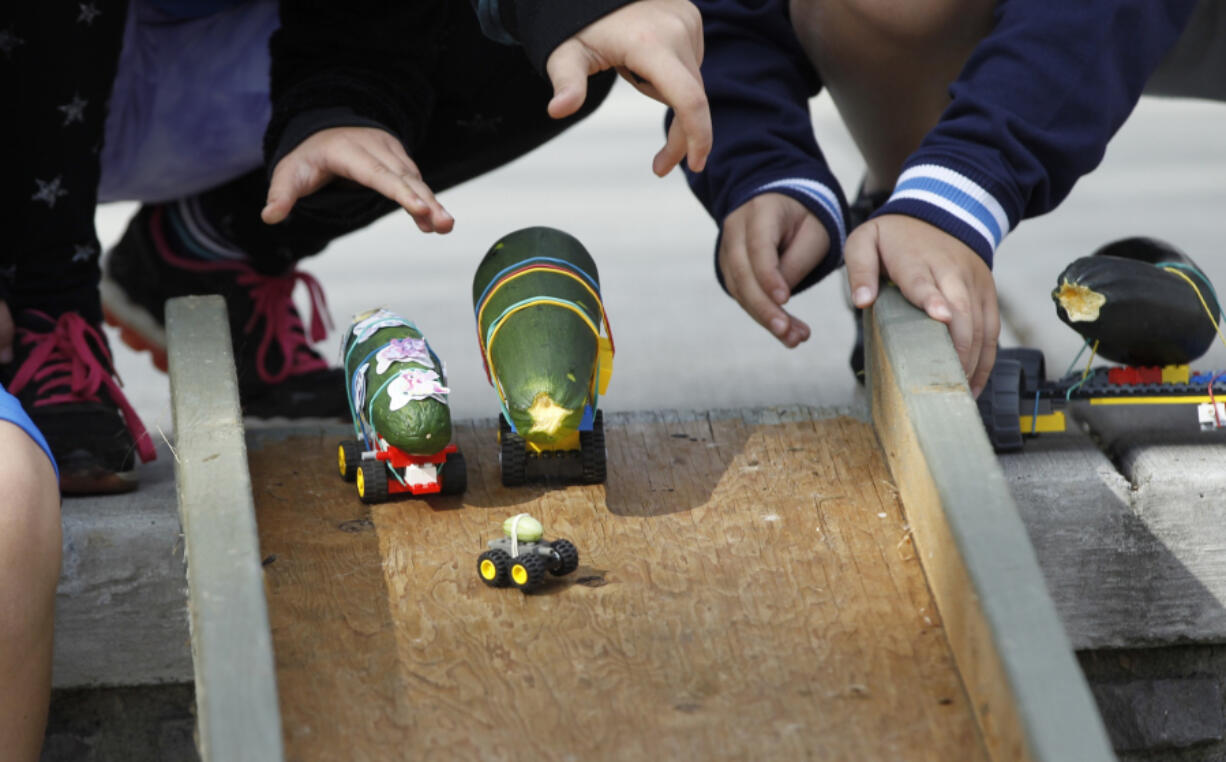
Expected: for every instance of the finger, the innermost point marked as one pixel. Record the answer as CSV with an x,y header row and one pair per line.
x,y
568,68
292,178
404,187
762,245
7,331
991,340
744,286
673,151
804,252
966,324
392,154
863,265
680,86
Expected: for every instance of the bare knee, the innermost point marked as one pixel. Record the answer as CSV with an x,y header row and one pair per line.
x,y
906,24
30,533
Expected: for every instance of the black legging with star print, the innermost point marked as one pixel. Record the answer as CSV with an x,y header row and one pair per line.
x,y
57,65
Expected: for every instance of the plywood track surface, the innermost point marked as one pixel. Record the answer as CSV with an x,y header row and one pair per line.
x,y
745,590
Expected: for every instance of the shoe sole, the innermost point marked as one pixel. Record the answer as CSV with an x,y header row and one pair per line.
x,y
137,328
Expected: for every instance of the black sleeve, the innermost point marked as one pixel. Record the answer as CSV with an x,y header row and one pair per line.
x,y
542,25
369,60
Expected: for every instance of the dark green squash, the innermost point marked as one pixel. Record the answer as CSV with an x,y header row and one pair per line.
x,y
1139,313
543,356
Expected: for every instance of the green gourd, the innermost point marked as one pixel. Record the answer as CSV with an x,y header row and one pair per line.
x,y
543,355
1130,298
396,365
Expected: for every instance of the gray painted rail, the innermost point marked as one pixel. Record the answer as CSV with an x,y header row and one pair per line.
x,y
236,693
1016,661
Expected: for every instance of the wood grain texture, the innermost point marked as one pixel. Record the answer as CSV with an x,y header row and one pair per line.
x,y
745,590
1016,661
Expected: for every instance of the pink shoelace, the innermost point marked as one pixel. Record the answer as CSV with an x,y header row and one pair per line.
x,y
65,361
273,302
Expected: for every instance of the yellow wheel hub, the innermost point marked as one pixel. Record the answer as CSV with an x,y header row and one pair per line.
x,y
361,484
340,458
519,574
488,569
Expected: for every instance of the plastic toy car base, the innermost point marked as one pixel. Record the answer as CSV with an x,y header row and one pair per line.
x,y
380,474
521,557
583,460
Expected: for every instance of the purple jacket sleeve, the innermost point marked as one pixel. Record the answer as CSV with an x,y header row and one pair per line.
x,y
759,83
1032,112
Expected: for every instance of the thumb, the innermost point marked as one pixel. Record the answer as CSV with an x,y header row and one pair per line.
x,y
568,70
6,334
284,190
863,265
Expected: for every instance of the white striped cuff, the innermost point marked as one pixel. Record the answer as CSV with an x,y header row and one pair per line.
x,y
957,195
816,191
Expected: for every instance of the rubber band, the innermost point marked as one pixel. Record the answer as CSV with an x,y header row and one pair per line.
x,y
1069,369
1034,417
522,263
1212,319
1084,374
498,283
515,533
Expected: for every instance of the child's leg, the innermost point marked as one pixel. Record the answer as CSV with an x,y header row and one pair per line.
x,y
888,66
57,72
29,570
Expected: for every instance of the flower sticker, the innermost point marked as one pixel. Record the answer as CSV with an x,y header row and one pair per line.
x,y
415,384
403,350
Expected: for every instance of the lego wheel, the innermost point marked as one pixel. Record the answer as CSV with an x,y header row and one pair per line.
x,y
592,451
493,567
348,457
372,481
528,572
999,403
1034,368
568,557
453,475
513,455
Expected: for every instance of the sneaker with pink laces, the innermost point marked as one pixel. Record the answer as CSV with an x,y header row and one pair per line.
x,y
66,382
279,374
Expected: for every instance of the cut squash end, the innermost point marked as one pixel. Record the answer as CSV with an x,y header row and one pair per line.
x,y
547,416
1082,303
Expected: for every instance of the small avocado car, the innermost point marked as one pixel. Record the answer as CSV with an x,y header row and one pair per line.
x,y
521,557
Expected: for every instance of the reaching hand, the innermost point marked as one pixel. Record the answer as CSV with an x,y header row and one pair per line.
x,y
937,273
769,244
366,155
656,45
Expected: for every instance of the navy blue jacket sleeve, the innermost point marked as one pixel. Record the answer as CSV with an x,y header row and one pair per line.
x,y
1032,112
759,83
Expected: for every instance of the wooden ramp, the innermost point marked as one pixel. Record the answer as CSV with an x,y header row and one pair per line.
x,y
747,589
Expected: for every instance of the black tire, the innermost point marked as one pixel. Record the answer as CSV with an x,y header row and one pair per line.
x,y
453,475
592,450
349,457
499,564
568,557
1034,367
372,481
999,406
528,572
513,456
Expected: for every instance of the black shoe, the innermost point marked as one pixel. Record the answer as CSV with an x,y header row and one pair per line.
x,y
65,380
859,211
279,374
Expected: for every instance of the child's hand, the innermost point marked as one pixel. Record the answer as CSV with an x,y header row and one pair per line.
x,y
366,155
657,46
769,244
937,273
